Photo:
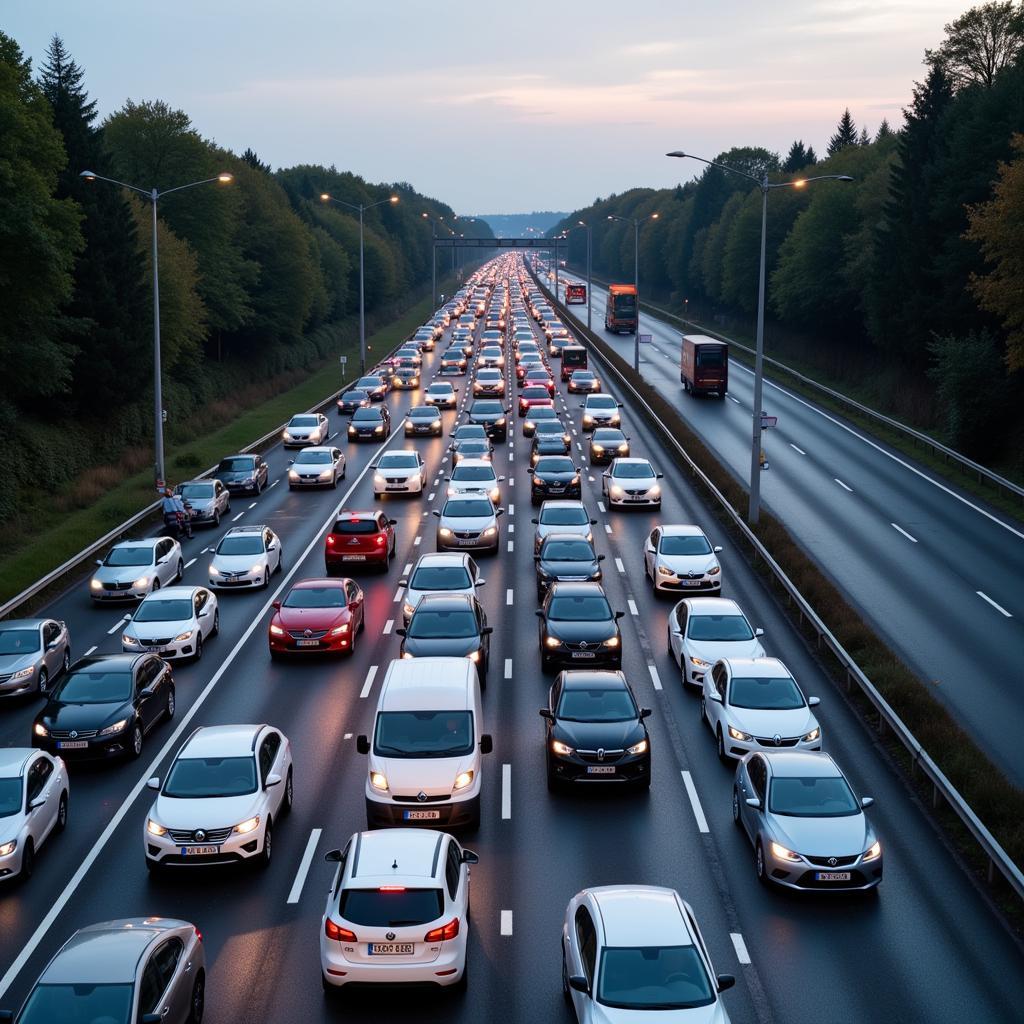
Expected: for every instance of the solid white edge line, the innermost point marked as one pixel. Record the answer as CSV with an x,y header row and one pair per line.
x,y
698,811
998,607
508,668
506,922
307,859
900,529
655,678
740,946
506,792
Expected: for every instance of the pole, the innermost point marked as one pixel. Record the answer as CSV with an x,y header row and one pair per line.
x,y
556,270
636,289
433,264
158,396
755,448
589,296
362,300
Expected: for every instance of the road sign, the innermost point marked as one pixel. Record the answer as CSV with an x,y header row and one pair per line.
x,y
645,339
769,421
343,360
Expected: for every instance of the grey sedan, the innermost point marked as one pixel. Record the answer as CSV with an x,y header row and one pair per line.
x,y
33,652
208,499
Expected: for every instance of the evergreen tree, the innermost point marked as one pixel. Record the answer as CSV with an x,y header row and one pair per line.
x,y
863,139
250,157
845,134
812,157
796,159
884,131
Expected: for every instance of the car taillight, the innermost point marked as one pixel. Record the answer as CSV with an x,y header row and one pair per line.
x,y
336,932
330,540
447,931
199,934
380,540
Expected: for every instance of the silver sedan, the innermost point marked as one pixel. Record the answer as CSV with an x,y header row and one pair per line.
x,y
33,652
317,466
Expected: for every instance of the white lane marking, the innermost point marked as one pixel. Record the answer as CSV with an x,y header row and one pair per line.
x,y
388,627
506,792
370,676
800,450
203,552
998,607
590,478
253,505
444,460
607,528
416,542
731,399
633,610
511,546
274,484
508,596
511,508
430,497
579,446
740,946
511,527
601,507
508,668
899,529
407,569
189,564
235,519
347,736
506,922
698,811
117,625
655,678
398,594
619,565
845,487
88,652
512,482
307,859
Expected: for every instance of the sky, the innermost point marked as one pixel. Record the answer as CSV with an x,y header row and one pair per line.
x,y
500,108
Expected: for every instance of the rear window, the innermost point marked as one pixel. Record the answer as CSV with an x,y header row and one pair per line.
x,y
391,907
351,526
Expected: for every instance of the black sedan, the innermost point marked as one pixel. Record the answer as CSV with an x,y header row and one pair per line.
x,y
243,473
566,556
547,443
423,419
354,398
578,626
595,732
554,476
449,626
374,385
104,707
370,424
491,415
535,415
607,443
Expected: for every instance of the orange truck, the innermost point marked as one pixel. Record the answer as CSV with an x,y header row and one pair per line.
x,y
704,365
620,313
575,293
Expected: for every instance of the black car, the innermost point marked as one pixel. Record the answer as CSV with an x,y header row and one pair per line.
x,y
354,398
490,414
423,419
370,424
595,732
566,556
453,363
607,443
548,444
537,414
578,626
554,476
449,626
243,474
374,385
104,706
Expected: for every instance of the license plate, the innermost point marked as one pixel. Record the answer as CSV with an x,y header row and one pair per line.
x,y
307,643
583,654
395,487
353,558
600,769
199,851
636,499
832,876
157,650
72,744
690,583
421,815
390,948
555,490
467,542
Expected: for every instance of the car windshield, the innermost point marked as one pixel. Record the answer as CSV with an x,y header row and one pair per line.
x,y
812,798
366,415
608,435
490,375
487,409
80,1002
564,516
129,556
536,392
195,490
695,544
567,551
464,472
653,978
303,421
398,462
468,508
440,577
633,471
474,449
10,796
237,464
559,464
390,906
209,777
251,544
428,624
440,389
602,402
424,412
579,704
19,641
424,733
316,597
314,458
469,430
548,427
720,628
582,376
579,608
164,610
354,396
94,686
369,382
543,412
765,694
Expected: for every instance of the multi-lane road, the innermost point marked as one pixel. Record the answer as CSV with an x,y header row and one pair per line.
x,y
935,571
924,947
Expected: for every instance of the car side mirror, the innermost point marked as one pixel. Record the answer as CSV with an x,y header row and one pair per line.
x,y
276,606
291,462
813,702
99,561
486,743
621,406
724,981
645,713
500,479
619,615
717,548
600,558
660,476
753,801
392,522
536,523
481,582
546,713
499,512
578,983
128,616
487,631
469,857
38,802
401,632
715,696
362,745
146,691
333,856
272,780
866,801
154,782
539,614
435,512
759,632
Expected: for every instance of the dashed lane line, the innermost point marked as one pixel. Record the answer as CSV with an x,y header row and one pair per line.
x,y
506,792
998,607
655,678
117,625
740,946
508,668
235,519
506,922
307,859
508,596
368,683
899,529
398,594
800,451
698,811
619,565
388,627
845,487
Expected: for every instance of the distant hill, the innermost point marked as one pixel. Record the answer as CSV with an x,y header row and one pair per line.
x,y
514,225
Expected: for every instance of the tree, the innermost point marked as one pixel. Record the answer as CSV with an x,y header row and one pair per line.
x,y
863,139
796,159
845,134
980,43
250,157
884,131
812,157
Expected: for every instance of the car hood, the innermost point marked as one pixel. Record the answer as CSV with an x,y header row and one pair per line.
x,y
10,827
699,564
369,425
448,647
237,563
598,735
59,715
232,475
543,529
434,776
121,573
714,1014
569,570
168,627
201,504
711,650
311,618
485,417
576,631
476,523
209,812
823,837
471,486
403,472
773,723
413,597
636,483
14,662
556,478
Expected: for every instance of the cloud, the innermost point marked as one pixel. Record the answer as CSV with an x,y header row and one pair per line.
x,y
651,49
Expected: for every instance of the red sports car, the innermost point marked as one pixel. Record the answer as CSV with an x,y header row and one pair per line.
x,y
318,616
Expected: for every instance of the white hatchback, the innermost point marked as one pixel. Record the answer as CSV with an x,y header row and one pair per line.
x,y
629,481
680,558
174,623
33,804
703,629
135,568
399,471
246,557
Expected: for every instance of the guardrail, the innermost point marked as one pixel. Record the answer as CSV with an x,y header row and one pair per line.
x,y
998,859
983,473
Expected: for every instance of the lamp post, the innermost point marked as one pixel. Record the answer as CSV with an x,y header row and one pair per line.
x,y
636,222
754,508
433,252
154,195
575,227
360,209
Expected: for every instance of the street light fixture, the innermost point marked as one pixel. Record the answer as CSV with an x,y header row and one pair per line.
x,y
153,195
754,508
636,222
360,209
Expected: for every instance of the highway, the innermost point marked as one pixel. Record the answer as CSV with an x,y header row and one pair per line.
x,y
925,946
936,572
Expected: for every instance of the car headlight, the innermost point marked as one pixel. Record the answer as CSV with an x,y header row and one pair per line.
x,y
699,662
214,571
40,730
617,491
812,735
612,641
379,481
247,826
491,531
287,436
474,656
444,532
562,749
597,449
623,449
352,430
500,421
327,474
575,480
182,637
23,673
292,475
783,854
655,491
115,728
463,779
495,495
873,852
407,656
276,630
126,638
154,828
258,567
379,430
95,584
407,609
8,848
379,781
452,491
338,630
664,570
588,419
142,581
552,641
638,748
736,734
714,570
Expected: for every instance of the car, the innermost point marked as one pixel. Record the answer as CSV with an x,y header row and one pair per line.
x,y
418,878
352,399
474,477
492,337
399,471
374,385
631,482
371,424
554,476
146,969
560,516
461,344
535,395
442,394
105,706
306,428
607,443
243,474
753,703
440,572
578,625
703,629
409,355
468,522
583,381
174,622
33,653
594,731
207,500
405,378
490,414
491,355
548,443
34,790
134,568
527,361
566,556
635,952
317,616
449,626
246,556
539,376
536,414
360,537
555,329
489,381
807,826
224,790
600,411
466,432
320,466
453,362
470,448
680,557
423,419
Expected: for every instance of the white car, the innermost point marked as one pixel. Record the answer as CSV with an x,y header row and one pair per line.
x,y
418,878
629,481
754,703
489,381
442,394
440,573
633,953
225,789
475,478
34,791
135,568
399,471
681,558
601,411
306,428
246,557
703,629
174,623
491,355
317,466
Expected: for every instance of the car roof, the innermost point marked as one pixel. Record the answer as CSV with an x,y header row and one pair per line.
x,y
23,623
253,528
145,542
563,503
221,741
445,385
802,764
446,602
178,591
565,588
428,684
579,679
116,662
357,513
470,463
641,915
374,856
12,760
399,451
443,558
321,581
675,529
712,606
106,953
635,460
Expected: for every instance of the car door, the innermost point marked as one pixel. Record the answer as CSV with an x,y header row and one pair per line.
x,y
586,949
148,707
650,551
166,569
354,600
53,649
716,682
677,621
262,472
220,497
270,747
754,779
174,978
203,605
273,546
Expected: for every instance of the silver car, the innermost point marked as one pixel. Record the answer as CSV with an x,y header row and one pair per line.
x,y
146,969
33,804
562,516
306,428
135,568
808,829
468,523
317,466
33,652
208,499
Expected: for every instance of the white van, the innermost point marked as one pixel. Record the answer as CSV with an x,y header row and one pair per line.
x,y
425,752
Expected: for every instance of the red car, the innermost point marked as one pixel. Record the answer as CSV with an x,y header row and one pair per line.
x,y
542,377
358,538
321,616
534,395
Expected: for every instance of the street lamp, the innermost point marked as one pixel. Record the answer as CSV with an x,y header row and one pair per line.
x,y
636,222
360,209
754,509
582,224
154,195
433,252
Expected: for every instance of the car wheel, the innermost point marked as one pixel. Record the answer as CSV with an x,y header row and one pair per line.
x,y
216,623
154,867
198,656
720,739
703,708
289,794
216,518
62,812
169,711
268,845
135,746
266,580
197,1003
28,860
736,807
181,569
156,585
759,864
44,680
